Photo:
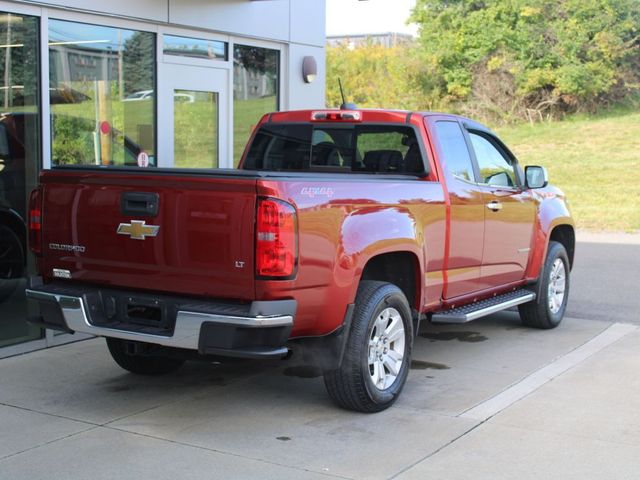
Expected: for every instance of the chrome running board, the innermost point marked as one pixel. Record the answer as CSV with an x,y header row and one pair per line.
x,y
472,311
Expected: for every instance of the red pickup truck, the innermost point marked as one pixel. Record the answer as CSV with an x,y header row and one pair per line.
x,y
340,231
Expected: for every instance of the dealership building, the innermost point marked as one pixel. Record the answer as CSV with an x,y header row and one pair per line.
x,y
166,83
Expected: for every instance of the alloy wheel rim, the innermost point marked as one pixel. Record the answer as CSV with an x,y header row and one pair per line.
x,y
386,348
557,286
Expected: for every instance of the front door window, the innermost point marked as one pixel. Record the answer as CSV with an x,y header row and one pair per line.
x,y
494,168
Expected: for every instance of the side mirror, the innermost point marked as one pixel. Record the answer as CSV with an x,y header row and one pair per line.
x,y
536,177
500,179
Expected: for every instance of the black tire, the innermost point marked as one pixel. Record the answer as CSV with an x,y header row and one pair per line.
x,y
11,262
539,313
351,386
141,364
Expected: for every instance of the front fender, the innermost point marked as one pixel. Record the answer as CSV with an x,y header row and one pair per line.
x,y
553,211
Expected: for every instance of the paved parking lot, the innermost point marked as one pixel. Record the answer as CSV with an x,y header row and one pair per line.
x,y
490,399
605,277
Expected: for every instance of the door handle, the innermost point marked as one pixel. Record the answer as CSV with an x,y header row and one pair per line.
x,y
494,206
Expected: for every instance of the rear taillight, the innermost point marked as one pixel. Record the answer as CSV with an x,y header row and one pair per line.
x,y
35,221
276,243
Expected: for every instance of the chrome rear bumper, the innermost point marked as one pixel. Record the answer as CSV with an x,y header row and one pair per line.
x,y
188,329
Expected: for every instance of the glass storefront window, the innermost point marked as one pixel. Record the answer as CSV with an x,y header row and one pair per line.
x,y
256,74
194,48
19,160
102,84
195,130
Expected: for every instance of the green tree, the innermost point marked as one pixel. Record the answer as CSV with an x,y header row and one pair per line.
x,y
515,58
374,76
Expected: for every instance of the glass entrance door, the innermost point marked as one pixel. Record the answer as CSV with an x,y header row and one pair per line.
x,y
196,103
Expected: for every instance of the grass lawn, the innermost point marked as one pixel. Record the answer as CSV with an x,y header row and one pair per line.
x,y
595,161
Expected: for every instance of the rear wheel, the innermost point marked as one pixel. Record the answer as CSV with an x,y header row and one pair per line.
x,y
11,262
141,364
378,351
547,310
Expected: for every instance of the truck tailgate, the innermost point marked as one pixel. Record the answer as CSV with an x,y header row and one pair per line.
x,y
204,244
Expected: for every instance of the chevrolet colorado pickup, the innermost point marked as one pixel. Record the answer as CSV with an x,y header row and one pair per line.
x,y
339,232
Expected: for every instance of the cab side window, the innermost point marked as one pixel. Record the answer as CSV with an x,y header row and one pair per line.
x,y
454,150
495,168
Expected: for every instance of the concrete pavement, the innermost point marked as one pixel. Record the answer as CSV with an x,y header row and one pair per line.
x,y
561,403
582,424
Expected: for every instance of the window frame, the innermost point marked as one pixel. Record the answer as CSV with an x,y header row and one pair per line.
x,y
45,13
45,74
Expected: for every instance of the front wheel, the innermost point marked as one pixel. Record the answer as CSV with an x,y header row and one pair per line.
x,y
547,310
141,364
378,351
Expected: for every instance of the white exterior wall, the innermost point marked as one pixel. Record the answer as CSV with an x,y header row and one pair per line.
x,y
302,95
306,37
265,19
298,25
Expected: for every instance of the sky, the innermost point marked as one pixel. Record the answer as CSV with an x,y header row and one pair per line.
x,y
371,16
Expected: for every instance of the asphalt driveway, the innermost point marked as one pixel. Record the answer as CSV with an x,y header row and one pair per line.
x,y
606,278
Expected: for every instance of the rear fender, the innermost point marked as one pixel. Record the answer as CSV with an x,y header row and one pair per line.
x,y
337,238
366,235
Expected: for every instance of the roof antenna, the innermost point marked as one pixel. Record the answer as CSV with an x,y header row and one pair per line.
x,y
345,105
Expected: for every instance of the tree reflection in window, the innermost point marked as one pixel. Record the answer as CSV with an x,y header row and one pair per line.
x,y
256,73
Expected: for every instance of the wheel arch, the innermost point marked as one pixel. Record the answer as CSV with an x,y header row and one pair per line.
x,y
401,268
565,235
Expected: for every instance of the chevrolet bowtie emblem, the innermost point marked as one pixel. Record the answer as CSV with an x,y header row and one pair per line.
x,y
138,230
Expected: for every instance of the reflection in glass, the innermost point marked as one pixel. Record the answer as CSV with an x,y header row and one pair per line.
x,y
195,117
194,48
454,150
19,160
255,90
494,168
102,83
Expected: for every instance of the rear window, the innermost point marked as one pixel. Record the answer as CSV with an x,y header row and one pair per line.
x,y
335,148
